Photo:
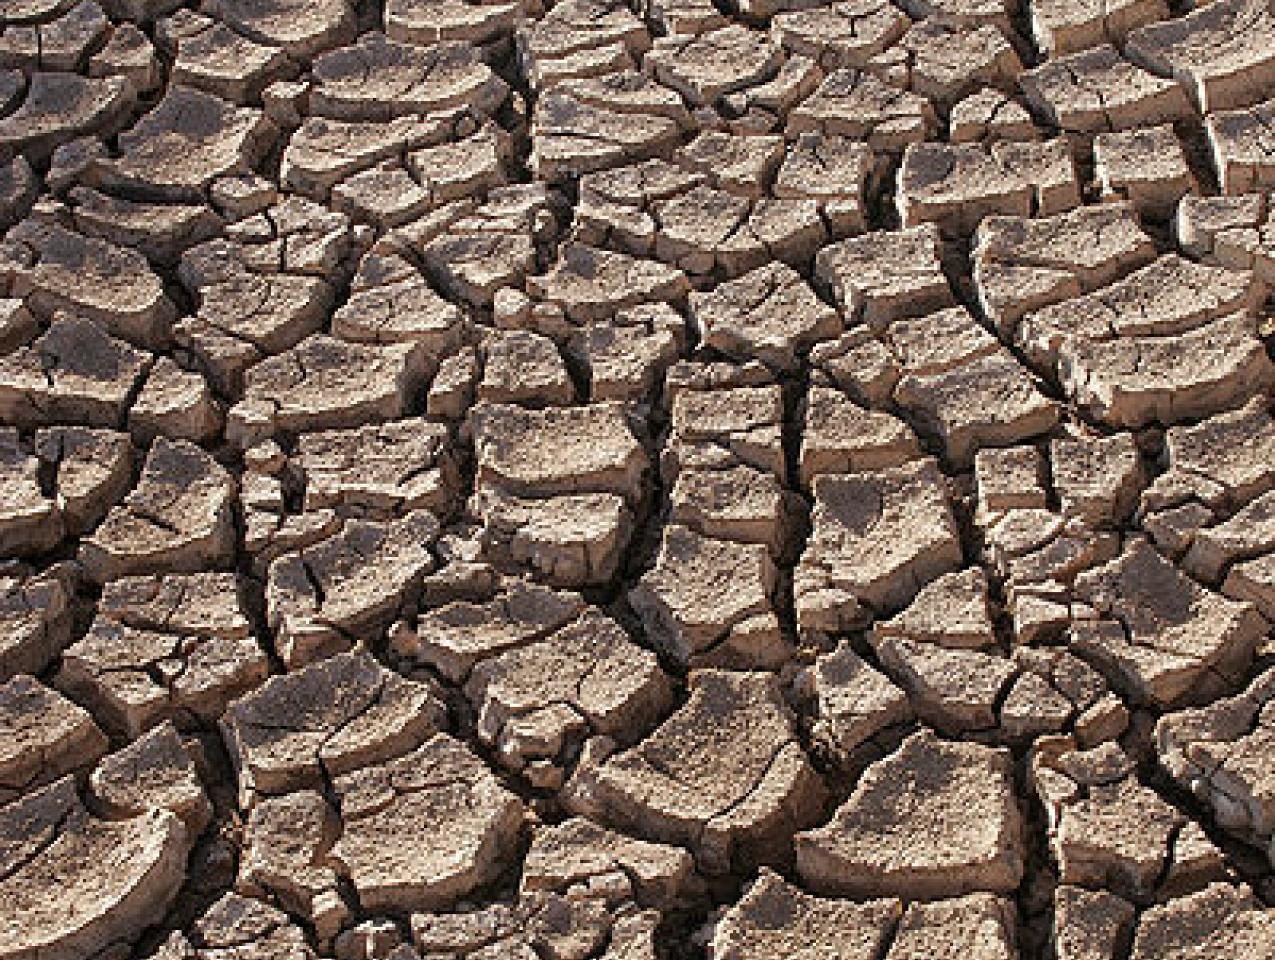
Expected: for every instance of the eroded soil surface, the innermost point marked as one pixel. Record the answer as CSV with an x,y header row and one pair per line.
x,y
637,479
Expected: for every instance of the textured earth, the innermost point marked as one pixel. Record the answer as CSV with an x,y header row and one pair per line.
x,y
637,479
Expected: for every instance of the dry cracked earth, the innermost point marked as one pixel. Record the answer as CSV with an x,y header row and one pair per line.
x,y
654,480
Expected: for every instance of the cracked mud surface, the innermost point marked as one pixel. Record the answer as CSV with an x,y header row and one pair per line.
x,y
637,479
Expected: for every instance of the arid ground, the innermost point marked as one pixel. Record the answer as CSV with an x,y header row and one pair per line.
x,y
637,480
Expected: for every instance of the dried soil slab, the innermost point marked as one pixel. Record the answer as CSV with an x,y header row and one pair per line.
x,y
491,931
64,42
96,280
175,403
153,773
1201,220
1009,478
990,115
429,21
588,678
841,436
377,79
240,927
74,884
32,11
1146,167
945,61
1217,752
456,636
1118,350
1223,461
1227,361
1100,90
626,357
30,522
331,717
592,124
1093,800
495,246
1221,53
1160,634
1247,534
725,775
710,598
176,520
859,105
1023,264
736,503
978,927
46,737
706,228
775,918
293,236
59,107
575,541
249,316
422,831
403,310
581,38
524,367
540,925
957,691
1251,580
212,57
705,67
558,450
1063,26
459,169
842,34
619,206
1242,147
683,16
592,284
833,171
933,819
345,590
719,426
1220,920
386,195
742,165
769,314
1090,925
1237,232
950,611
379,471
957,185
301,27
18,190
35,618
877,539
853,703
285,855
90,470
128,53
163,647
883,276
859,364
961,386
322,153
188,140
578,853
324,383
159,231
1097,478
